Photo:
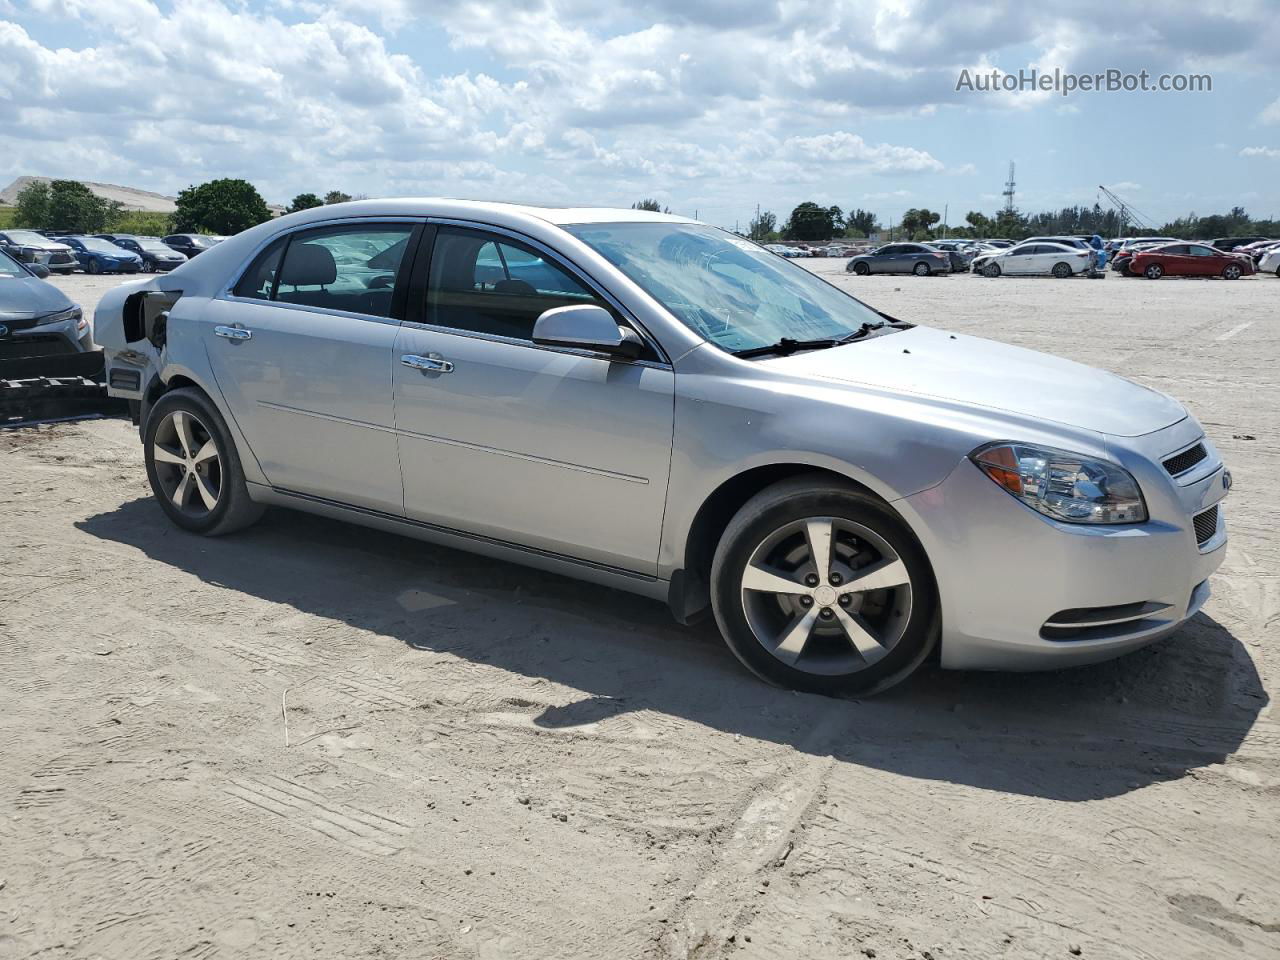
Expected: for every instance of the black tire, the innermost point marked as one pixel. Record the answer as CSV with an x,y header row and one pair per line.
x,y
147,267
1062,270
861,269
93,266
822,669
921,270
233,509
991,270
1153,272
1232,271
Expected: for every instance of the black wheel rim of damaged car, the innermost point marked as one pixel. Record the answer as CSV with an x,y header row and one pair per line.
x,y
826,596
188,464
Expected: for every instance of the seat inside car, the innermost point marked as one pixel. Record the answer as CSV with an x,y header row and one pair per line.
x,y
312,266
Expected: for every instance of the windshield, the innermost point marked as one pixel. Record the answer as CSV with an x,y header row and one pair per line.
x,y
100,246
731,291
153,246
27,236
10,268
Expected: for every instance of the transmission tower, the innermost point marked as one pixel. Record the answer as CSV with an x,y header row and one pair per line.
x,y
1008,190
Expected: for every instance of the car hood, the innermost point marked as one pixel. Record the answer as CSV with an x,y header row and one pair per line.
x,y
50,245
983,373
22,298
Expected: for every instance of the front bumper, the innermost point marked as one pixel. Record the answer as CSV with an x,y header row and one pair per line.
x,y
50,339
1005,573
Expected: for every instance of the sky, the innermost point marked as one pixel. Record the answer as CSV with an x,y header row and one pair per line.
x,y
709,106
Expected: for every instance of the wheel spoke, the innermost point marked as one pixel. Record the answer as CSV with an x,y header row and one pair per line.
x,y
862,638
182,427
207,452
208,496
819,534
792,642
770,581
181,491
886,573
165,455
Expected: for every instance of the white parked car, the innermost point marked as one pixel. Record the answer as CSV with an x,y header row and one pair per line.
x,y
1035,259
1270,262
782,250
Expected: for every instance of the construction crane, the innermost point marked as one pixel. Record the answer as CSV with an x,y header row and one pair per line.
x,y
1127,213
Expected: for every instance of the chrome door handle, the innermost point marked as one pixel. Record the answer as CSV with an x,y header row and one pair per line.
x,y
427,364
233,333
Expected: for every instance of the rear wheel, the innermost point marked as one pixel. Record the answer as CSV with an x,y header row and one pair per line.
x,y
193,467
1062,270
921,270
820,587
148,267
861,269
991,270
1231,271
1154,271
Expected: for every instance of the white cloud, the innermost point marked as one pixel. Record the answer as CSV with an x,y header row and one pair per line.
x,y
1272,153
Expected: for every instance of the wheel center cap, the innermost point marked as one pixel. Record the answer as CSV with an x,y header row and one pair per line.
x,y
824,596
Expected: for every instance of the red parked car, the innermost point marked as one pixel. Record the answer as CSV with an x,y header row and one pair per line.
x,y
1190,260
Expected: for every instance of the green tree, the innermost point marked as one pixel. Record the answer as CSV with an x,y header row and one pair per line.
x,y
862,223
336,196
304,201
917,223
763,226
809,222
651,205
979,222
31,208
220,206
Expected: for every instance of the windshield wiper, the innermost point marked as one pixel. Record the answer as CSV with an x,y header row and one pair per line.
x,y
785,347
863,331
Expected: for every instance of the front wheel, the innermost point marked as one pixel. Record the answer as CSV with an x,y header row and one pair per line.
x,y
820,587
1231,271
1154,272
920,269
861,269
193,467
991,270
93,266
1062,270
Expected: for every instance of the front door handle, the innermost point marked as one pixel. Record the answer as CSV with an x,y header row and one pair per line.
x,y
233,333
427,364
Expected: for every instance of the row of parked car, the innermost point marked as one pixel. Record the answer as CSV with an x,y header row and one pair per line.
x,y
1069,256
103,252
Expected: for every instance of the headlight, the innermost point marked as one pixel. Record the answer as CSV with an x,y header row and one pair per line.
x,y
1064,486
72,314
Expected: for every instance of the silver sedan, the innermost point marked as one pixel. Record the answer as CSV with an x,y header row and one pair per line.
x,y
917,258
642,401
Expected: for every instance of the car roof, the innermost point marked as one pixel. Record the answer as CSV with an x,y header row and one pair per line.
x,y
445,207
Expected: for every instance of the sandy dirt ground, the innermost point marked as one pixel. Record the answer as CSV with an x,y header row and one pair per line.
x,y
312,740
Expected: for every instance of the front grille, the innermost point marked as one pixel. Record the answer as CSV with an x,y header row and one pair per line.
x,y
1184,461
1206,524
62,258
1094,623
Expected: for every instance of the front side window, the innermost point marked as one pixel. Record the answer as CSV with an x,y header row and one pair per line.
x,y
483,283
352,267
723,287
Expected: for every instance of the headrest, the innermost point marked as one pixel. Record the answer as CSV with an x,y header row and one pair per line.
x,y
308,265
515,288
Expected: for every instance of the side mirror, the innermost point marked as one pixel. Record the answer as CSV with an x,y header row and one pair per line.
x,y
586,327
39,269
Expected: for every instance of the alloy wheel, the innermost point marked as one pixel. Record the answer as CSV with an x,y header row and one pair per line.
x,y
1232,272
188,464
826,595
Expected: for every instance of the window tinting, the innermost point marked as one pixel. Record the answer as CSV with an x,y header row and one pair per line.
x,y
487,284
352,267
256,282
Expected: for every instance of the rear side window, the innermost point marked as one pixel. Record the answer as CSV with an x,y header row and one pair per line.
x,y
487,284
353,268
258,282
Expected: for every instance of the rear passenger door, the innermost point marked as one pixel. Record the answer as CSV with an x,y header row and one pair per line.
x,y
302,350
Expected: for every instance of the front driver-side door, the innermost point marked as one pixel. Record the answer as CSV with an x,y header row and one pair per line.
x,y
559,450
